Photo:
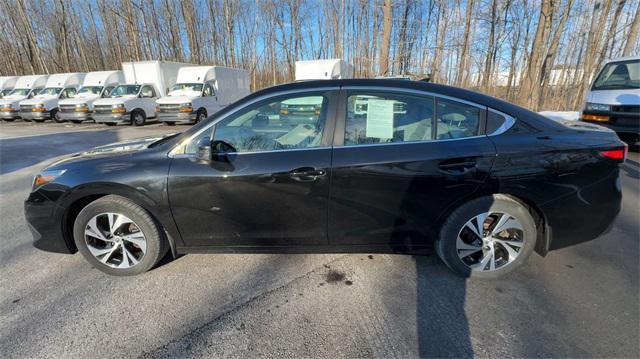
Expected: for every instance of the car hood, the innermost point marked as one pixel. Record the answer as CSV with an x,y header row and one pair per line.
x,y
78,100
110,150
175,99
36,100
11,101
615,97
113,100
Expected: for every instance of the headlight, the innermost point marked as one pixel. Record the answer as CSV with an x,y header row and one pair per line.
x,y
81,105
118,105
186,107
597,107
186,104
45,177
38,105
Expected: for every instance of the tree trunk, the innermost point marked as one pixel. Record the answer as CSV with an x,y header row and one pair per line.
x,y
386,37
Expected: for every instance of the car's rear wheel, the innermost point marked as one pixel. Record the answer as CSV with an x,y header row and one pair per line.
x,y
487,237
118,237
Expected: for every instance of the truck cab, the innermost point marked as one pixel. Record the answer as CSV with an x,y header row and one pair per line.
x,y
200,91
614,98
96,85
26,87
44,105
6,84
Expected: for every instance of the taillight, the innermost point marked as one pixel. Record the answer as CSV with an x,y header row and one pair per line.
x,y
619,154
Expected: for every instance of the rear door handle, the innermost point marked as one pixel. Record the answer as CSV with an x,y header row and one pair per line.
x,y
306,174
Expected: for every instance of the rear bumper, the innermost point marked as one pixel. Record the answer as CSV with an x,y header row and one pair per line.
x,y
10,115
31,115
111,117
74,116
176,116
620,122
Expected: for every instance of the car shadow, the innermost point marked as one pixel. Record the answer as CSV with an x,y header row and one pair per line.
x,y
22,152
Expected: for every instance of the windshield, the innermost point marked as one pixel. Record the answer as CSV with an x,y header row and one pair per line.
x,y
20,92
125,90
50,91
187,87
90,90
619,76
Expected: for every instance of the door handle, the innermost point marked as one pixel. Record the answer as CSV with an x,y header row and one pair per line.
x,y
307,174
458,167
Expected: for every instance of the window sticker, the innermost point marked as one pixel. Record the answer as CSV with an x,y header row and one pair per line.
x,y
380,118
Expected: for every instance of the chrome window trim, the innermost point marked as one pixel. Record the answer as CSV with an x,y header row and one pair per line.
x,y
509,121
409,142
192,155
412,91
263,97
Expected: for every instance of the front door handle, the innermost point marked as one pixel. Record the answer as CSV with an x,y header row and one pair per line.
x,y
307,174
460,167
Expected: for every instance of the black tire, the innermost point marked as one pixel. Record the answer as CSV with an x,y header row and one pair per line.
x,y
38,120
446,243
110,123
156,243
168,123
201,115
138,118
8,119
76,121
54,116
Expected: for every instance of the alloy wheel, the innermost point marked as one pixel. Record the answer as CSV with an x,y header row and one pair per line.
x,y
115,240
490,241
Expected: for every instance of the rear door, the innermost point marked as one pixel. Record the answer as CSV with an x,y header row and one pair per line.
x,y
401,158
273,189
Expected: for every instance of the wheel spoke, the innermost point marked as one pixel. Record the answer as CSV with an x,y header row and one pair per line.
x,y
99,251
125,259
137,239
477,228
93,230
488,258
467,252
512,253
506,222
119,221
130,257
106,257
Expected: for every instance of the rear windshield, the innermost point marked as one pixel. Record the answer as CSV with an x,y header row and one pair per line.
x,y
619,76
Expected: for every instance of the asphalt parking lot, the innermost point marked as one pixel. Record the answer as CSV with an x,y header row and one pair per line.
x,y
580,301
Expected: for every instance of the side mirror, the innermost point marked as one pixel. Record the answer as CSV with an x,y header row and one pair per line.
x,y
204,150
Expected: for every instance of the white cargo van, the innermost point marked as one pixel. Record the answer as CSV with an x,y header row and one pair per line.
x,y
330,69
26,87
200,91
6,84
98,84
614,98
135,101
44,105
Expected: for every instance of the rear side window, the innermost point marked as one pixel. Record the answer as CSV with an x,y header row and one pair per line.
x,y
457,120
386,118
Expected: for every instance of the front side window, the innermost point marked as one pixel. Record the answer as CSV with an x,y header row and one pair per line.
x,y
456,120
385,118
68,93
148,92
107,91
283,123
208,91
19,92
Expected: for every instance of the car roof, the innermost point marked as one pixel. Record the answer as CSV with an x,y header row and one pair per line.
x,y
626,58
438,89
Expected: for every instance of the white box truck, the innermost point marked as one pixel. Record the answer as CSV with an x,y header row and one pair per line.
x,y
135,101
44,105
98,84
6,84
200,91
26,87
330,69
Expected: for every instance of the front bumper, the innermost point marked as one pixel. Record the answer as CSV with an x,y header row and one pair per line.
x,y
74,116
10,115
34,115
112,117
620,122
176,116
45,221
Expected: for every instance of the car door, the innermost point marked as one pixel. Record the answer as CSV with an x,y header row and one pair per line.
x,y
148,96
401,159
271,188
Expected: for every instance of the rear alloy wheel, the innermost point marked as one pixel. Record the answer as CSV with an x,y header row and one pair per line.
x,y
487,237
118,237
138,118
201,115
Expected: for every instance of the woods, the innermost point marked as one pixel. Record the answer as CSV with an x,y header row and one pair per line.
x,y
537,53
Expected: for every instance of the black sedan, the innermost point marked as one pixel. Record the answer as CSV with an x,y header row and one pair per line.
x,y
377,166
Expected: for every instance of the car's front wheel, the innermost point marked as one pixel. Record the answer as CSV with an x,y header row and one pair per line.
x,y
118,237
487,237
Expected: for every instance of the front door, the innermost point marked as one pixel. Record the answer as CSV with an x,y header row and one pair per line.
x,y
404,160
271,189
